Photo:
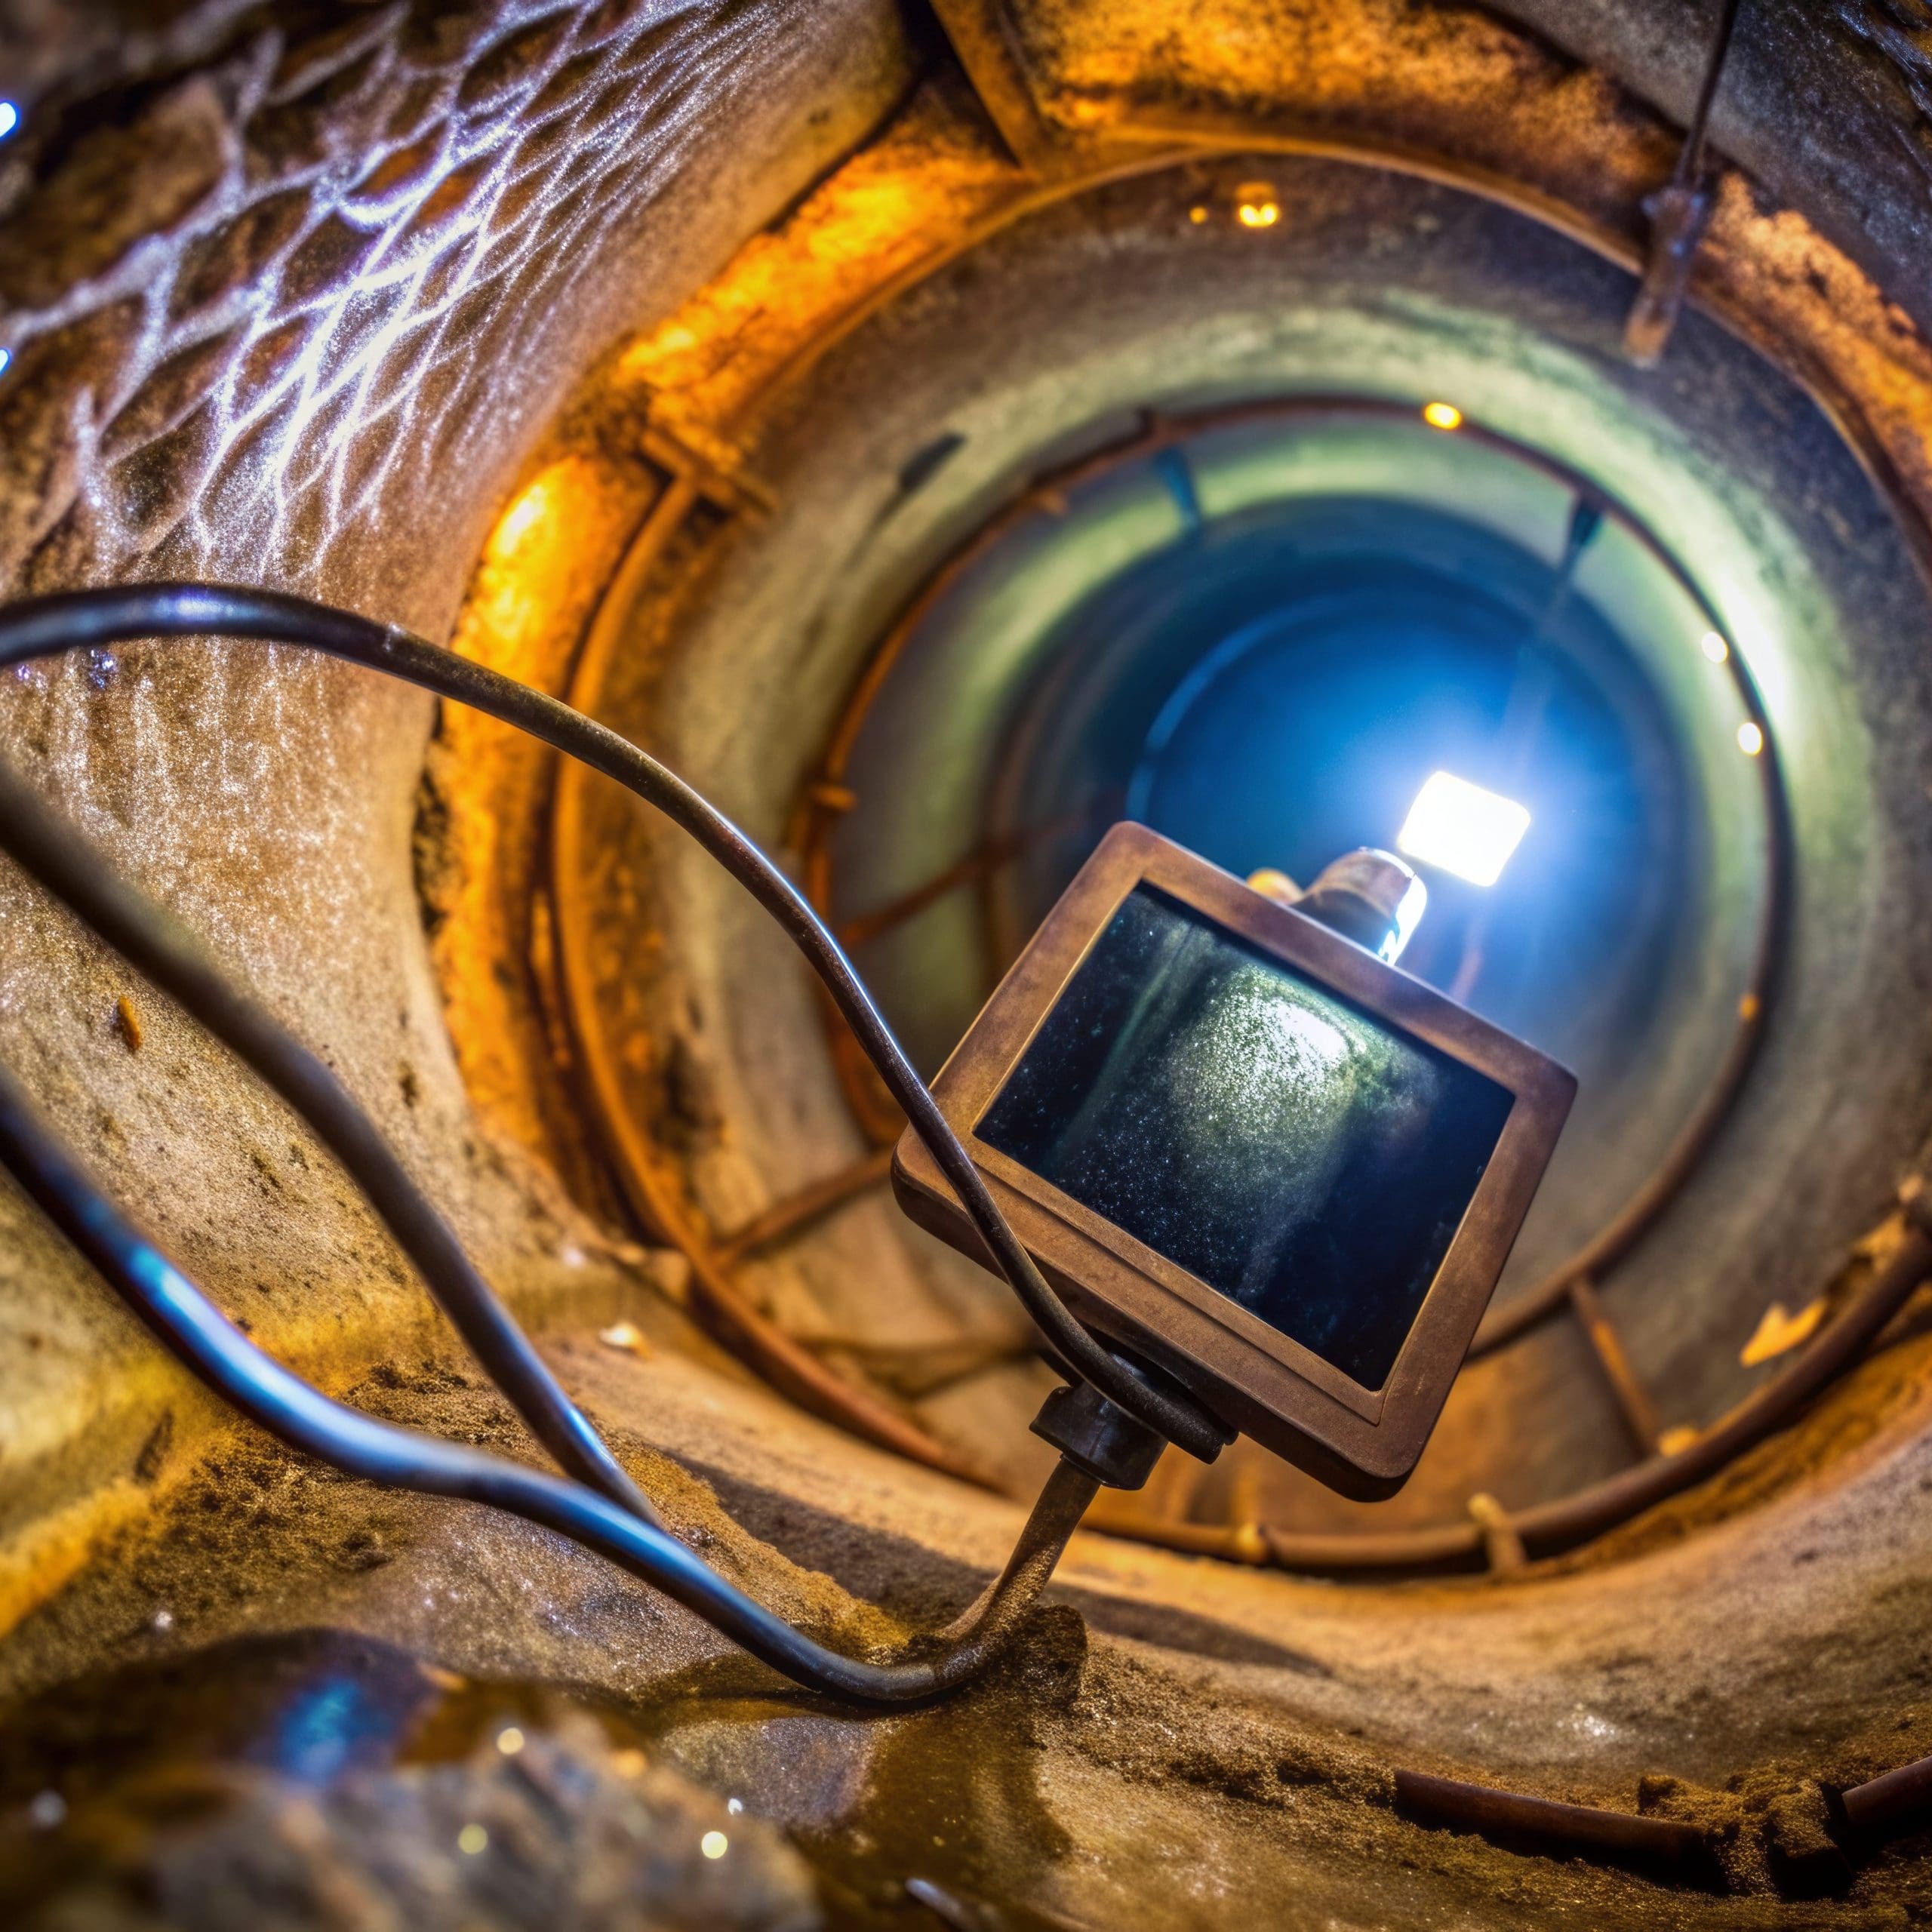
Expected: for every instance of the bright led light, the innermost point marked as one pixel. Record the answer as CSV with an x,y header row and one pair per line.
x,y
1463,829
1750,740
10,118
1442,416
714,1845
1714,647
1255,204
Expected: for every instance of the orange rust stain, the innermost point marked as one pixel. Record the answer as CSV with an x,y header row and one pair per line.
x,y
542,571
899,206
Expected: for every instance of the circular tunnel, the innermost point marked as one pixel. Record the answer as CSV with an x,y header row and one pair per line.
x,y
938,442
1197,557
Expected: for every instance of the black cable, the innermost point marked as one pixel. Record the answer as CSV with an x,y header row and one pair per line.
x,y
192,1328
79,619
156,946
1691,157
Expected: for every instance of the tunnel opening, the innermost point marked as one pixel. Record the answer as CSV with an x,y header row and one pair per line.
x,y
990,616
1274,685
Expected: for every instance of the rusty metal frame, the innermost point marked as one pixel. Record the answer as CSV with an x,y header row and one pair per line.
x,y
1363,1442
655,1192
984,41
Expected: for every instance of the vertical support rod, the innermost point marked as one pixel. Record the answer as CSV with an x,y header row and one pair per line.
x,y
1680,211
1633,1400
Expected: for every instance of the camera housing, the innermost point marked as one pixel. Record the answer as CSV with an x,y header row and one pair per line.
x,y
1250,1152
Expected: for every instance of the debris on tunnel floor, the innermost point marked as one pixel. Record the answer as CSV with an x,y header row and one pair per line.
x,y
1100,1780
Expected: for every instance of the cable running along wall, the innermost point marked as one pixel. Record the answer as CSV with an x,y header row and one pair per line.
x,y
602,1510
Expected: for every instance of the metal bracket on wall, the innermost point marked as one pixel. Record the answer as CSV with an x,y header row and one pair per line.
x,y
1680,212
715,471
987,44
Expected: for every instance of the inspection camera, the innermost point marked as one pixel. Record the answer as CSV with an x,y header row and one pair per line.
x,y
1251,1150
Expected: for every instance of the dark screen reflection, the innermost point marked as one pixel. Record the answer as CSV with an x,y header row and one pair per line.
x,y
1304,1158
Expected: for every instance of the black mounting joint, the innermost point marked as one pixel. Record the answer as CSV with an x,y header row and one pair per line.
x,y
1100,1437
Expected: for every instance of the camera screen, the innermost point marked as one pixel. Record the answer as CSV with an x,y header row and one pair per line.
x,y
1307,1160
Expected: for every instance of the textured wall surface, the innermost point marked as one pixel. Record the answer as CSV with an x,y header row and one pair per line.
x,y
1828,102
290,292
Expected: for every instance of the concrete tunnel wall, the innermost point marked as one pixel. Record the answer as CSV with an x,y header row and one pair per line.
x,y
298,325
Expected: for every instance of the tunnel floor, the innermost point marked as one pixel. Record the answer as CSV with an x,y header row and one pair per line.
x,y
666,357
1175,1741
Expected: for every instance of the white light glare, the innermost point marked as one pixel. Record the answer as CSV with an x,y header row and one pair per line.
x,y
10,118
1463,829
1409,909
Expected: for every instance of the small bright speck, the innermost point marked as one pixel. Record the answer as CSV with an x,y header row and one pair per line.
x,y
46,1810
6,359
1750,740
1255,204
714,1845
1714,647
1197,214
627,1336
1442,416
1463,829
734,1805
10,118
509,1740
472,1839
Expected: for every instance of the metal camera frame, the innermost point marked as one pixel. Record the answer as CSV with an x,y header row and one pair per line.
x,y
1363,1442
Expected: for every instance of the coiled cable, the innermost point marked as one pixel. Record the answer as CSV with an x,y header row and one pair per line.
x,y
80,620
194,1329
